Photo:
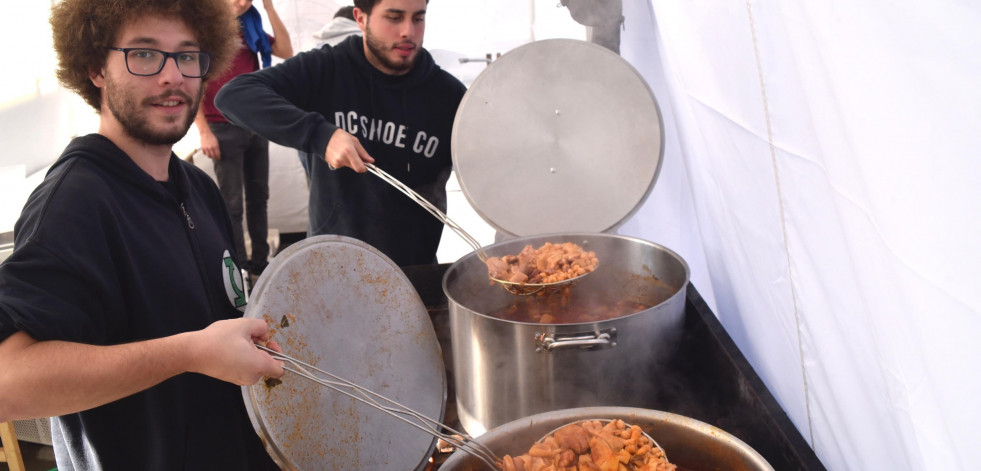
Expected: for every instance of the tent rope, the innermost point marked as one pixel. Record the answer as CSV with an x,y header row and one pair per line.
x,y
783,222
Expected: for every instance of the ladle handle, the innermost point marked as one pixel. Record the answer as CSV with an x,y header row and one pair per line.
x,y
428,207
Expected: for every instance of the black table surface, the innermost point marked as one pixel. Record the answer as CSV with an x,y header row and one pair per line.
x,y
708,379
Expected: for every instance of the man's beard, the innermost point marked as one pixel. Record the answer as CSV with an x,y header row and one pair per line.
x,y
124,107
378,49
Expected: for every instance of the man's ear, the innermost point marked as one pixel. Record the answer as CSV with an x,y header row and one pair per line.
x,y
360,17
98,77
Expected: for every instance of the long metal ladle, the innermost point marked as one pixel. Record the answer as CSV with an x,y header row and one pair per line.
x,y
460,440
512,287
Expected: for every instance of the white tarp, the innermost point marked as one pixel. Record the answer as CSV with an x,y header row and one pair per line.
x,y
830,156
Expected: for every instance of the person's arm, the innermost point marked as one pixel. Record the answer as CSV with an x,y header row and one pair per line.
x,y
282,46
209,143
272,103
49,378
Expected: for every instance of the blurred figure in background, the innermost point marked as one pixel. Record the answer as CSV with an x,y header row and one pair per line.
x,y
340,27
241,157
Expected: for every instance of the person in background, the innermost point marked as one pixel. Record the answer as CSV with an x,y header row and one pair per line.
x,y
241,157
341,26
119,306
378,98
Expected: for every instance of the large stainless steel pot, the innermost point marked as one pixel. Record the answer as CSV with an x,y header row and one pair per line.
x,y
505,370
688,443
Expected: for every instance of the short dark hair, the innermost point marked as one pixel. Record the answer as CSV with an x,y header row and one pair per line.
x,y
367,5
83,29
345,12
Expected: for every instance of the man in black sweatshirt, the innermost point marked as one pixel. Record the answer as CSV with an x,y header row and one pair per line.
x,y
377,98
120,307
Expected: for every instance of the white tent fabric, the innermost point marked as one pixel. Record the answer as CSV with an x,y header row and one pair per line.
x,y
828,169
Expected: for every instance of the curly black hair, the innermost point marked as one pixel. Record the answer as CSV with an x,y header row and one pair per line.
x,y
83,29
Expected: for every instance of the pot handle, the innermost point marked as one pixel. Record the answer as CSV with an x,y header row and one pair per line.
x,y
547,342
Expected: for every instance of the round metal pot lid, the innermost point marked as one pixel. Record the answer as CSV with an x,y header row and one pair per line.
x,y
341,305
558,135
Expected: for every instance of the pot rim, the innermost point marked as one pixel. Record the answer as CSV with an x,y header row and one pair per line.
x,y
552,419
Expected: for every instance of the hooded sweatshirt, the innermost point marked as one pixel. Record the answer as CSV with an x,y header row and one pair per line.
x,y
336,31
404,122
106,255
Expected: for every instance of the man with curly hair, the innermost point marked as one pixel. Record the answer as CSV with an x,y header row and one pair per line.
x,y
120,307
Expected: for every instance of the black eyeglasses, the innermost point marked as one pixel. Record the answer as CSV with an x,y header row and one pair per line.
x,y
144,61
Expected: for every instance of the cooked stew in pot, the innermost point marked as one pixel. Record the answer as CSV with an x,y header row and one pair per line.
x,y
592,446
568,307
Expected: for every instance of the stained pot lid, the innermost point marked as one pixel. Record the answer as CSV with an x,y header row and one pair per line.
x,y
341,305
558,135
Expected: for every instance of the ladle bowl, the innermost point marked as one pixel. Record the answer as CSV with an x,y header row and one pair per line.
x,y
521,289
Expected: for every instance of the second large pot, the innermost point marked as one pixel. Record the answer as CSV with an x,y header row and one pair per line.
x,y
688,443
506,370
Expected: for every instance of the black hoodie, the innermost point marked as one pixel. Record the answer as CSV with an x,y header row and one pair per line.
x,y
404,122
105,255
